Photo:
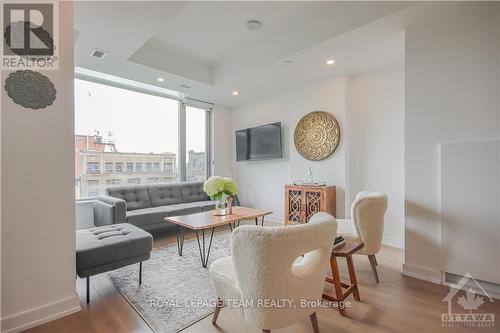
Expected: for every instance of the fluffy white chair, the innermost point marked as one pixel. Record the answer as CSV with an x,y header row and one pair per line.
x,y
267,269
367,213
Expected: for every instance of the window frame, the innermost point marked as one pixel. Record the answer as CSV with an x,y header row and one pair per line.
x,y
183,102
120,168
208,107
89,181
110,170
93,163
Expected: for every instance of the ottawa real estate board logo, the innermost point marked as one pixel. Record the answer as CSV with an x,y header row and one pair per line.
x,y
464,305
30,35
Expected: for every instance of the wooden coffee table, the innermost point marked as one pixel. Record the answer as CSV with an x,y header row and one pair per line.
x,y
346,251
199,222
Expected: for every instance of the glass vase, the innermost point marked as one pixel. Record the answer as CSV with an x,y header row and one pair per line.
x,y
223,206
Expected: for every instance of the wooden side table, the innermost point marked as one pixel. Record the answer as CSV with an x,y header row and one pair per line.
x,y
346,250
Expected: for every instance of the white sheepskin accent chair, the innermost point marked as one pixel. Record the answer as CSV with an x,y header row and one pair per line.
x,y
267,266
367,213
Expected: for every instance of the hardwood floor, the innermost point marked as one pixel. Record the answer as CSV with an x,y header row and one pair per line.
x,y
396,304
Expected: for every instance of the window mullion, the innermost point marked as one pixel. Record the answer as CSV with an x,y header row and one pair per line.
x,y
182,142
208,144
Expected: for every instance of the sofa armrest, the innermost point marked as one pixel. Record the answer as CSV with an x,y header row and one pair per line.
x,y
109,210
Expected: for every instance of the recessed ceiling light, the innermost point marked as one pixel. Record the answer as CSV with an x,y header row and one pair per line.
x,y
330,62
236,93
160,79
253,25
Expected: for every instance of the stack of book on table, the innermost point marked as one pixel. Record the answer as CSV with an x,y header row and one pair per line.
x,y
339,241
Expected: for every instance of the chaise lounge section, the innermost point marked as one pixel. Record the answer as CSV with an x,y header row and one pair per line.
x,y
146,206
103,249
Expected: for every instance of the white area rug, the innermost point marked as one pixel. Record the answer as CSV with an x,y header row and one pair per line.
x,y
176,291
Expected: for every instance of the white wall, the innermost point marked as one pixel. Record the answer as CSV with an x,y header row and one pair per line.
x,y
221,141
38,215
372,144
472,166
376,142
261,183
451,95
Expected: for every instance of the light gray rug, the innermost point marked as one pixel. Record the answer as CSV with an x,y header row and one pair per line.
x,y
176,291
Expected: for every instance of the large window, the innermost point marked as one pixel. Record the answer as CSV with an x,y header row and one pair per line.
x,y
196,143
124,136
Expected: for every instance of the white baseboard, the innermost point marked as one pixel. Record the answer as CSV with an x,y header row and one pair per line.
x,y
39,315
422,273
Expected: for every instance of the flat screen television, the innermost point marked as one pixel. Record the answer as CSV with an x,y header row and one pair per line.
x,y
259,143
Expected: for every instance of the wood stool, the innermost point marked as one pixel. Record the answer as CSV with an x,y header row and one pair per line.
x,y
346,250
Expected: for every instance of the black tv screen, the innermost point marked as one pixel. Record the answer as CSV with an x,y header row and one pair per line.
x,y
259,143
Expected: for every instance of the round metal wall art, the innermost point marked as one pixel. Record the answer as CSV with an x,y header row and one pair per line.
x,y
30,89
317,135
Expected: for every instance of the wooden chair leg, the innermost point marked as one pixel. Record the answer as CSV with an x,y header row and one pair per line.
x,y
352,277
314,322
218,306
373,263
337,283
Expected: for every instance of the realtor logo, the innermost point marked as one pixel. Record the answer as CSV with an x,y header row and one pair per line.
x,y
29,36
469,295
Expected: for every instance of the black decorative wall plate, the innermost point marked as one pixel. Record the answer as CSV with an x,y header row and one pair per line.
x,y
30,89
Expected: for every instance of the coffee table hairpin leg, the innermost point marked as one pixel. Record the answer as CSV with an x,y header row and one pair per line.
x,y
205,254
233,225
180,239
261,221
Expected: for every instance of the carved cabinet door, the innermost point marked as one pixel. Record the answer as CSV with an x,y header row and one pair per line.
x,y
313,203
302,202
295,205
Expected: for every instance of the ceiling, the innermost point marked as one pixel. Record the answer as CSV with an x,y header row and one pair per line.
x,y
206,46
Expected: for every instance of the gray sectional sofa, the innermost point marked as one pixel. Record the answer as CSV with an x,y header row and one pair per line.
x,y
145,206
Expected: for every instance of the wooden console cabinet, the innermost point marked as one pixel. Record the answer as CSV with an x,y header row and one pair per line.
x,y
302,202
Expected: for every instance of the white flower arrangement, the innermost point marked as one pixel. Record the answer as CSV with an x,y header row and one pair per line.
x,y
216,187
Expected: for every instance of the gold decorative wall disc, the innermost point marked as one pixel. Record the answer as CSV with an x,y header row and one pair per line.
x,y
317,135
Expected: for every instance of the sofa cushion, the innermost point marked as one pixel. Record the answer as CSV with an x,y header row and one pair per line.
x,y
103,246
206,205
193,192
165,194
136,196
184,209
148,216
156,215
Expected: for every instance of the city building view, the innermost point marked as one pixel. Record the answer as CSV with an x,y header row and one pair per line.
x,y
195,166
99,165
